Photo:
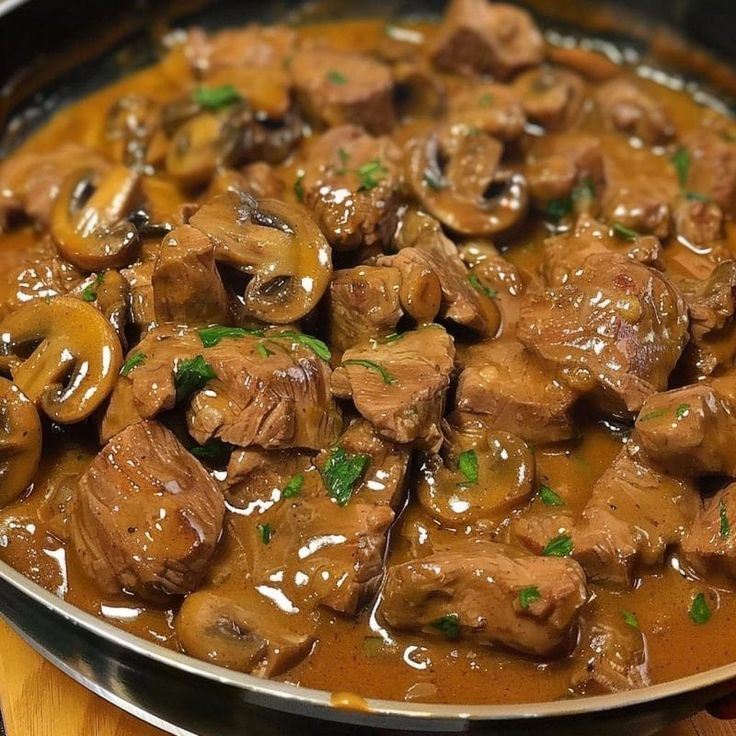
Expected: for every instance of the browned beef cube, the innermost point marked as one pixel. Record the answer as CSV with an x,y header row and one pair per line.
x,y
712,167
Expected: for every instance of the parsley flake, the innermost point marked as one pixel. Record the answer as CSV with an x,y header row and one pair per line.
x,y
584,191
299,187
388,379
700,612
89,293
341,473
630,619
559,546
697,197
214,451
475,282
315,345
548,497
654,414
682,410
263,351
215,98
467,463
621,231
681,161
293,487
557,209
725,524
336,77
528,595
371,174
211,336
265,532
133,362
191,375
486,100
448,625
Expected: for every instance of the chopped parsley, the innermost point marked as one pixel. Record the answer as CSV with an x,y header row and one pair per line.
x,y
475,282
315,345
191,375
211,336
387,378
265,532
486,100
557,209
700,612
263,351
293,487
214,98
654,414
299,187
336,77
682,410
528,595
559,546
548,497
341,473
344,160
697,197
215,451
371,174
584,190
133,362
467,463
433,181
725,524
448,625
621,231
630,619
681,161
89,293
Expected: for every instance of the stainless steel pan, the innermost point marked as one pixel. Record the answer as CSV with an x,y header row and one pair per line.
x,y
186,696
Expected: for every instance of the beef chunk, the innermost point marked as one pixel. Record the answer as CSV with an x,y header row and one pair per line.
x,y
564,254
709,545
139,277
492,38
29,182
552,97
338,87
616,329
474,590
712,167
187,289
626,107
506,388
565,165
349,182
400,385
691,430
146,515
493,108
275,397
461,302
633,515
611,656
698,223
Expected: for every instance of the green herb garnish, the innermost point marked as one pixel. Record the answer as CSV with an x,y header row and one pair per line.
x,y
584,190
548,497
265,532
191,375
630,619
697,197
725,523
293,487
371,174
263,351
341,472
89,293
344,160
682,410
214,98
681,161
486,100
557,209
700,612
434,182
336,77
215,451
449,626
654,414
299,187
467,463
559,547
388,379
315,345
211,336
621,231
135,360
475,282
528,595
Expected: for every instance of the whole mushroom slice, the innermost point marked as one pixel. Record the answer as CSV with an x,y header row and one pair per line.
x,y
74,356
278,244
88,221
20,441
456,175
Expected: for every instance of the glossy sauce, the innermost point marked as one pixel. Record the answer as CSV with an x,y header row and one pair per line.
x,y
358,656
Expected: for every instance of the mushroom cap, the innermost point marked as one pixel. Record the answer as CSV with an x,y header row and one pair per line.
x,y
75,360
20,441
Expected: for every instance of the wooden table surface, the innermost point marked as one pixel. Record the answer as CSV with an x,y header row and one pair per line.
x,y
38,700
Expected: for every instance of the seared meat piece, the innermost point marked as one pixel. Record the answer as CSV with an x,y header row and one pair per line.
x,y
552,97
633,515
338,87
691,430
565,165
475,590
490,38
628,108
364,304
146,516
493,108
711,170
400,385
187,289
349,182
30,182
269,391
616,328
564,254
506,388
139,277
709,545
462,302
612,654
699,223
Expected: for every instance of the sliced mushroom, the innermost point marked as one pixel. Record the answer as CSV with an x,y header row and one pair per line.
x,y
63,354
278,244
457,178
88,221
20,442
